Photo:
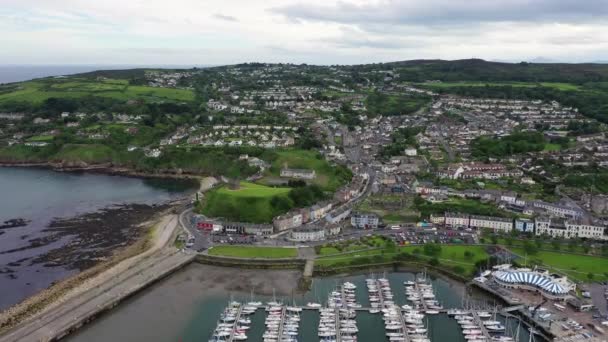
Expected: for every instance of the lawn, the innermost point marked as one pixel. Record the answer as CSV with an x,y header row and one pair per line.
x,y
556,85
575,266
253,190
250,203
451,255
254,252
91,154
40,90
41,138
552,147
327,176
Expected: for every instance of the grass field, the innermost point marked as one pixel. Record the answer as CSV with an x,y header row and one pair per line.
x,y
556,85
85,153
41,138
248,189
575,266
40,90
250,203
326,176
451,255
552,147
254,252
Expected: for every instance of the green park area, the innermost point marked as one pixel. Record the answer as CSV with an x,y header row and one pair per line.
x,y
38,91
458,258
249,202
554,85
578,267
328,177
254,252
391,208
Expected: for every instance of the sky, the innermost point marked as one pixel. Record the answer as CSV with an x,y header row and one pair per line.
x,y
216,32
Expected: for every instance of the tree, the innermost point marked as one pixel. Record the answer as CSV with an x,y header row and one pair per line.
x,y
555,245
468,255
530,248
432,249
434,262
494,239
590,276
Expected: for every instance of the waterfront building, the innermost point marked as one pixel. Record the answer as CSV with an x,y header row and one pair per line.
x,y
550,286
365,221
494,223
456,220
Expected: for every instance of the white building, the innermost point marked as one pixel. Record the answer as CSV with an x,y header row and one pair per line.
x,y
456,220
367,221
494,223
411,152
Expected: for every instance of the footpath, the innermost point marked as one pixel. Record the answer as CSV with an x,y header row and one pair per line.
x,y
105,290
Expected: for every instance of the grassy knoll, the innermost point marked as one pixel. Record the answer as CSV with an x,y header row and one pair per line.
x,y
575,266
328,177
91,154
450,255
254,252
41,138
552,147
554,85
391,208
250,203
38,91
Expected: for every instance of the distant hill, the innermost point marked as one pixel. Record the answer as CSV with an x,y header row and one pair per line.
x,y
480,70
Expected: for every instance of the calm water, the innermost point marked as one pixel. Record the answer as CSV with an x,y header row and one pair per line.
x,y
41,195
177,310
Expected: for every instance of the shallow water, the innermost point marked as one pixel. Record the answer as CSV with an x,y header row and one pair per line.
x,y
40,196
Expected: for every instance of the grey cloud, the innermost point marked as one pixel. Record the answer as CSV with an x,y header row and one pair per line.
x,y
354,42
225,17
440,12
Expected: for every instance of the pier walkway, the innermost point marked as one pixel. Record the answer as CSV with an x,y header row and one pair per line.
x,y
105,292
479,322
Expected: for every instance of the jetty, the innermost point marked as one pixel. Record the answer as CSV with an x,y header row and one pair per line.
x,y
105,291
479,322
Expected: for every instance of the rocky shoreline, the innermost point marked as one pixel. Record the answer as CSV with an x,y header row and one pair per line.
x,y
108,169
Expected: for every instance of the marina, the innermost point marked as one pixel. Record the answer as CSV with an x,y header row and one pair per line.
x,y
187,307
337,318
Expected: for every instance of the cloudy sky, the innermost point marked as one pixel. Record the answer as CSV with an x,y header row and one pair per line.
x,y
208,32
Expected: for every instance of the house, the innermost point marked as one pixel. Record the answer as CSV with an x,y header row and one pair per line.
x,y
494,223
365,221
287,221
298,173
524,225
308,233
456,220
411,152
317,211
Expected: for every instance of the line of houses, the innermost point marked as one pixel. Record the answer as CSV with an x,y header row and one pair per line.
x,y
540,226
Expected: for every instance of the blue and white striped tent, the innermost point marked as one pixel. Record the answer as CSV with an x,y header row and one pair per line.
x,y
530,278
